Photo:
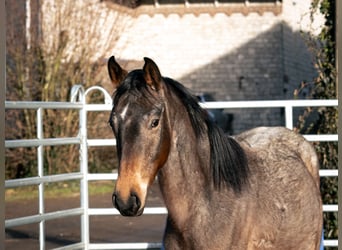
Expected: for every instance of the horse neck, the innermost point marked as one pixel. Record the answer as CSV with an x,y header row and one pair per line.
x,y
188,160
185,175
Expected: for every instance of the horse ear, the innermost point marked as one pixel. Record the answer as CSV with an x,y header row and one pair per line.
x,y
116,73
152,74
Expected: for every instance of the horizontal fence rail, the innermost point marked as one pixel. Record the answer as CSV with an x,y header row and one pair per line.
x,y
78,102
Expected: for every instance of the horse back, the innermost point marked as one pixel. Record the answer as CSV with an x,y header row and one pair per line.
x,y
272,138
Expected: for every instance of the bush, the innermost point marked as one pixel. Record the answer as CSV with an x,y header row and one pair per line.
x,y
325,119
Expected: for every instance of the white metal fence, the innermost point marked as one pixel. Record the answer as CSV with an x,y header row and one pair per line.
x,y
78,102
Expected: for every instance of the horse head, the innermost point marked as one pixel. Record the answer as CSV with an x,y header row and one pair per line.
x,y
140,123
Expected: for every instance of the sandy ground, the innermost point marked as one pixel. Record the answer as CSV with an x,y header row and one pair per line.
x,y
103,229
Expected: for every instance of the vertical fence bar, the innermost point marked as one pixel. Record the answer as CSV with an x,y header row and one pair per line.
x,y
40,156
288,116
84,171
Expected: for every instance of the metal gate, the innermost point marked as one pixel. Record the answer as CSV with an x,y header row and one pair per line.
x,y
78,102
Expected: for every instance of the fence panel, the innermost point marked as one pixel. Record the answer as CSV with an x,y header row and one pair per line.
x,y
78,102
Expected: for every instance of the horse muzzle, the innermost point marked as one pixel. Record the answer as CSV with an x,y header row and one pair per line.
x,y
128,207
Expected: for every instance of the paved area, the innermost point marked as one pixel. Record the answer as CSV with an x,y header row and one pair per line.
x,y
103,229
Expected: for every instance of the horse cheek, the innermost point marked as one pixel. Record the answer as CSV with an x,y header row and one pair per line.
x,y
165,145
157,152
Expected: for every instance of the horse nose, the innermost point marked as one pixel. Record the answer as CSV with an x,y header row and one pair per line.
x,y
127,207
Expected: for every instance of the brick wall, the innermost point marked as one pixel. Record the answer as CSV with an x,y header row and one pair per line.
x,y
233,57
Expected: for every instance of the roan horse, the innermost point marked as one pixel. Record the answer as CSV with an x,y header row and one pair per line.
x,y
258,190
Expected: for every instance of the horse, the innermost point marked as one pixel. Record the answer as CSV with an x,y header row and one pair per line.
x,y
256,190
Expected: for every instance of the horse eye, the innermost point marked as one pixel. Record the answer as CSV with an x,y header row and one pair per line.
x,y
155,123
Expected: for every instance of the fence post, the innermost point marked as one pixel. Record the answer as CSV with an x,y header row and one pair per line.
x,y
40,157
77,92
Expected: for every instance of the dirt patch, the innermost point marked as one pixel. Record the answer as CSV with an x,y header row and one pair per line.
x,y
102,228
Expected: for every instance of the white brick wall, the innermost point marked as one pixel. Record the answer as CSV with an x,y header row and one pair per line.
x,y
233,57
182,44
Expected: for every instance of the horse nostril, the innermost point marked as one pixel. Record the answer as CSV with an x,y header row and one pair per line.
x,y
127,207
136,201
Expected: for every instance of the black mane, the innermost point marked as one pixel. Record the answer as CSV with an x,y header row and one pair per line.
x,y
227,159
